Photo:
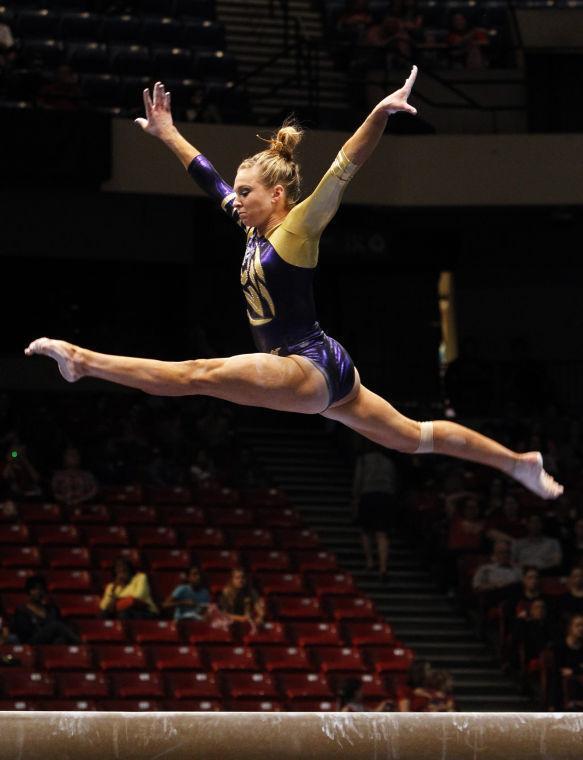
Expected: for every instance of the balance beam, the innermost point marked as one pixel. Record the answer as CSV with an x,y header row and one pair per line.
x,y
283,736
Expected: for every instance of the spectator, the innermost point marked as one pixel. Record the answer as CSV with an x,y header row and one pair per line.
x,y
241,602
532,634
566,686
63,93
464,535
73,485
440,692
409,694
505,524
373,495
537,549
189,600
128,596
38,621
20,478
202,470
571,602
467,44
519,603
496,577
354,20
350,696
573,546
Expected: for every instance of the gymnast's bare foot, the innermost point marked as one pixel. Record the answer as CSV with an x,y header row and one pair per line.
x,y
65,354
529,471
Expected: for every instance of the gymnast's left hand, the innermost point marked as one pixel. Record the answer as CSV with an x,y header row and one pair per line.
x,y
158,121
397,101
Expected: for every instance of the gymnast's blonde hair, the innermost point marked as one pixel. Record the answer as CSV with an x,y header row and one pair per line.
x,y
276,164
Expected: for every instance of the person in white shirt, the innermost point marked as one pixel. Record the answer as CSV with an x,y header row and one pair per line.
x,y
500,572
537,549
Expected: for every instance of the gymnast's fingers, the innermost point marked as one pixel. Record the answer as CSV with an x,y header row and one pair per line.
x,y
147,103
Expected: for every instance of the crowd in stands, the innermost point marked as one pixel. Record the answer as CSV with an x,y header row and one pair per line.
x,y
514,562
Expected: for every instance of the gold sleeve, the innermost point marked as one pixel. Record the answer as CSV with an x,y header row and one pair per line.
x,y
296,239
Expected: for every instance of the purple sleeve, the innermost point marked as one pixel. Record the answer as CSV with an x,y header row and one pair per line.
x,y
208,179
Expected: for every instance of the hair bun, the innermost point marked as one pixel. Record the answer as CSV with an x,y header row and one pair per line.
x,y
285,141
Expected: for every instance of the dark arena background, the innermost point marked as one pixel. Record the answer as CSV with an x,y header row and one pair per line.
x,y
264,613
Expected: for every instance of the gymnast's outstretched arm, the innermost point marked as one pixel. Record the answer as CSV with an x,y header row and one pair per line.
x,y
159,123
362,143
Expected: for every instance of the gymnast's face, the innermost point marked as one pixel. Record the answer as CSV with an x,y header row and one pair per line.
x,y
255,202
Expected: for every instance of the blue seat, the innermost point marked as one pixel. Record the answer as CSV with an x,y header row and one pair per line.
x,y
50,51
122,28
216,64
81,25
131,59
101,89
181,90
194,8
204,33
171,61
157,29
132,88
88,57
39,22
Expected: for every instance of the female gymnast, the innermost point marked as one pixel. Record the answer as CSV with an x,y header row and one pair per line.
x,y
298,368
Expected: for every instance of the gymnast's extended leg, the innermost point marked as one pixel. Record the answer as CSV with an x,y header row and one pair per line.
x,y
373,417
284,383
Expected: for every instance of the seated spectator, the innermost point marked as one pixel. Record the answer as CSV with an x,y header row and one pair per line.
x,y
20,480
439,692
519,602
190,600
350,698
494,579
409,694
63,93
355,20
536,549
571,602
241,602
573,546
128,596
73,485
467,44
505,524
410,17
532,634
465,535
38,621
566,685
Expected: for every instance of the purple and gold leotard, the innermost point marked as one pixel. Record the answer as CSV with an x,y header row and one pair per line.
x,y
278,271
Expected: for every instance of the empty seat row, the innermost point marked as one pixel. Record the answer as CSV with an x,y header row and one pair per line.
x,y
152,684
196,8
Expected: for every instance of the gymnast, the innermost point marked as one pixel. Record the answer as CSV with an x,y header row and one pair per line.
x,y
297,367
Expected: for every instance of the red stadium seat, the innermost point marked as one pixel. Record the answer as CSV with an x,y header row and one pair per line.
x,y
311,560
216,579
14,533
268,633
312,705
267,559
176,657
296,538
130,705
279,518
373,632
154,631
351,608
69,580
11,601
373,687
192,705
231,658
20,556
121,657
107,555
266,498
305,686
101,631
199,632
57,535
168,559
250,685
19,705
83,685
193,686
206,537
217,559
137,685
164,495
90,514
339,659
162,535
39,513
251,538
331,583
254,705
21,655
164,582
212,495
178,516
280,583
130,494
68,557
390,659
13,579
317,634
276,658
78,605
227,517
130,514
19,684
69,705
106,535
66,657
304,607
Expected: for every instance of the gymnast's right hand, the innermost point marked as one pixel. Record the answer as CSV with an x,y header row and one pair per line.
x,y
158,121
